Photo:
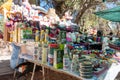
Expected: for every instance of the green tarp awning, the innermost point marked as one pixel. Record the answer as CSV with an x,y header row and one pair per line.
x,y
112,14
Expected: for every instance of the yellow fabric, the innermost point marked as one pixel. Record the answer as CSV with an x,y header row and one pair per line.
x,y
6,5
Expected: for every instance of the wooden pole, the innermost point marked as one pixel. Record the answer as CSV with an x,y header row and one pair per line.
x,y
33,71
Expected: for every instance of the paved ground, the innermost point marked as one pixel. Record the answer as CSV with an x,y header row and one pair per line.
x,y
5,49
6,77
28,77
6,73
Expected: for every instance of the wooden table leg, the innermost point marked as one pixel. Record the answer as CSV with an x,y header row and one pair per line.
x,y
14,75
43,72
33,71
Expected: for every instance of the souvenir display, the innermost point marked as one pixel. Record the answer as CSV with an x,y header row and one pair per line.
x,y
58,42
86,71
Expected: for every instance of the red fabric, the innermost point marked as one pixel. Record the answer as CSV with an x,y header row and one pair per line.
x,y
1,36
70,47
51,35
53,45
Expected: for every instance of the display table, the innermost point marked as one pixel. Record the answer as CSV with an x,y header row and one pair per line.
x,y
30,59
115,67
113,72
45,66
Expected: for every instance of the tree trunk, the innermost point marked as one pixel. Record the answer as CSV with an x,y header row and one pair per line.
x,y
118,29
84,8
59,7
30,1
33,2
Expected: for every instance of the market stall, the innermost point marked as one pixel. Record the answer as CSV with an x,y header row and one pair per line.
x,y
42,38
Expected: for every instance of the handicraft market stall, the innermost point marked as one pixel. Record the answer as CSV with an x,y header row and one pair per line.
x,y
55,44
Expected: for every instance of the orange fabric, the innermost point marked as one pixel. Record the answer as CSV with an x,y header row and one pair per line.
x,y
23,68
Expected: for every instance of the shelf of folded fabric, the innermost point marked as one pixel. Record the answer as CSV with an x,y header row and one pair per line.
x,y
111,45
62,28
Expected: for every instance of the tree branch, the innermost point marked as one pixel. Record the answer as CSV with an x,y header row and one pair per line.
x,y
84,8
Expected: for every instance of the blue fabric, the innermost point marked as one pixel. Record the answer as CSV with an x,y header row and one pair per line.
x,y
14,56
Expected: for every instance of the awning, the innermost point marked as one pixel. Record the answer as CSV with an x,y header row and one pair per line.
x,y
112,14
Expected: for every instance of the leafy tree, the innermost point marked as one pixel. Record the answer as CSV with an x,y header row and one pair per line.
x,y
77,7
